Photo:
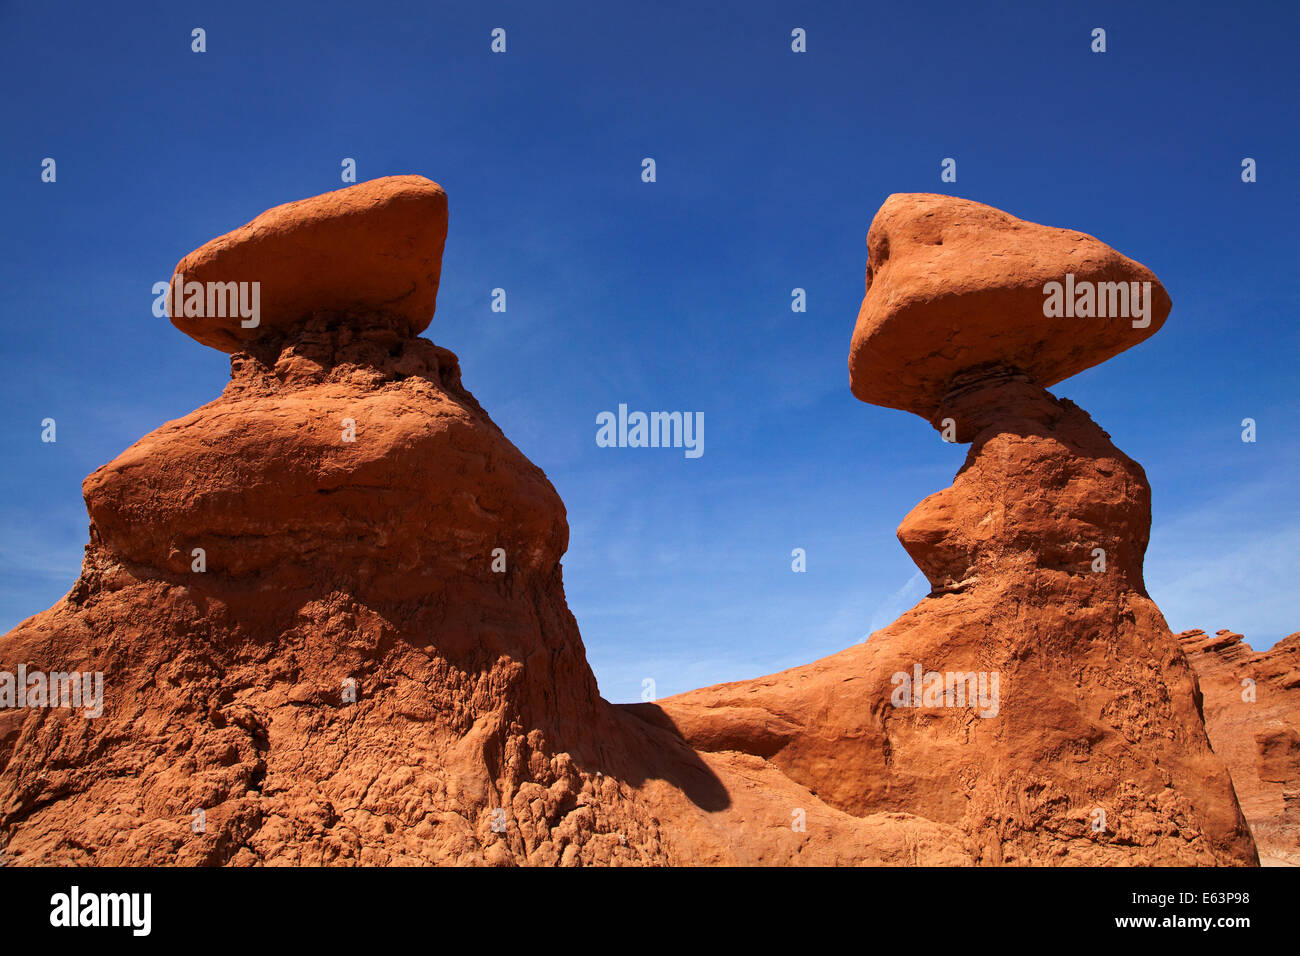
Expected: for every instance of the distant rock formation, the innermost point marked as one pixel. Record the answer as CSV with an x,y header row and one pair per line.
x,y
1036,702
328,612
1252,713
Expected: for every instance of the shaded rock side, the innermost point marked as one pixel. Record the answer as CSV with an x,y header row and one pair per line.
x,y
1252,714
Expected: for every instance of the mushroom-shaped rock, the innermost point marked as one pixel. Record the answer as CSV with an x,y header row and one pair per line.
x,y
954,285
1037,674
373,248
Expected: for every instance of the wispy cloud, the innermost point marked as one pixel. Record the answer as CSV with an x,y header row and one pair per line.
x,y
37,567
1231,562
915,588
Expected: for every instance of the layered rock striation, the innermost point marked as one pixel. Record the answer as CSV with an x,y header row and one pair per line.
x,y
1252,714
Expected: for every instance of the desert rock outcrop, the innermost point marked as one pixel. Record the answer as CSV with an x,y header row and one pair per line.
x,y
1252,714
1036,702
327,606
328,613
329,616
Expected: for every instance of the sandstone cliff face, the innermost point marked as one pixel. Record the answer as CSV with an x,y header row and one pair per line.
x,y
329,612
1252,714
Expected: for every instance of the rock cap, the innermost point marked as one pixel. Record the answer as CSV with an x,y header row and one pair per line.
x,y
375,247
954,284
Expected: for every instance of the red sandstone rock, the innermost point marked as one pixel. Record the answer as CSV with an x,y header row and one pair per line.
x,y
359,450
1096,709
374,248
350,680
369,562
1252,714
1086,744
954,284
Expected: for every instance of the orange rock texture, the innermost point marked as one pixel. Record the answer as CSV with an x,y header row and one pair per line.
x,y
1085,743
953,285
329,614
373,248
1252,713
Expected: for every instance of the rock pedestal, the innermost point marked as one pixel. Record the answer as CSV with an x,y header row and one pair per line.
x,y
329,616
327,606
1036,702
328,612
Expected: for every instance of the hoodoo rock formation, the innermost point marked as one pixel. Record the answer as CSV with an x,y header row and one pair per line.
x,y
328,611
954,285
1036,702
1252,714
308,654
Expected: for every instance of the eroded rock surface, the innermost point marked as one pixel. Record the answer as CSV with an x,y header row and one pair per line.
x,y
329,614
954,285
1252,714
1036,701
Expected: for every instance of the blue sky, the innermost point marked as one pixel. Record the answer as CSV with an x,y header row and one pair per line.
x,y
675,295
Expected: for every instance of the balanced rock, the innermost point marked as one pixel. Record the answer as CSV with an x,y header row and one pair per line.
x,y
326,613
372,249
954,285
327,610
1035,703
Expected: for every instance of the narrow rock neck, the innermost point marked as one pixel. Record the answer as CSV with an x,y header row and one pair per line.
x,y
359,349
1043,489
986,396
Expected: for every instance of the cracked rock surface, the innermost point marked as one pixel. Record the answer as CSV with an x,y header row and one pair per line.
x,y
1092,750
